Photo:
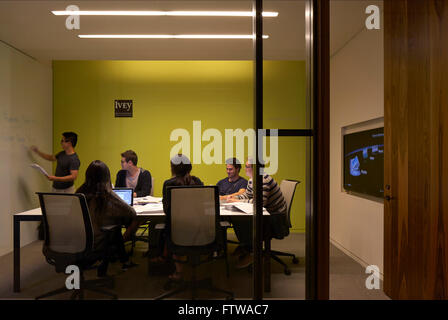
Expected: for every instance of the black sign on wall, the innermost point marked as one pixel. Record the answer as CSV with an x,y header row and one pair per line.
x,y
123,108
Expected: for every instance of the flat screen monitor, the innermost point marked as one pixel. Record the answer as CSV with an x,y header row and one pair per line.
x,y
126,194
364,162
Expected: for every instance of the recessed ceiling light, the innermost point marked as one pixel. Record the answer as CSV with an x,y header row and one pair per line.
x,y
164,13
168,36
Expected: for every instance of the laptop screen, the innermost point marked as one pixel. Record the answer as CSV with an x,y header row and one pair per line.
x,y
125,194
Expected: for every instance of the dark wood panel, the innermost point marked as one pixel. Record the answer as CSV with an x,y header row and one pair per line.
x,y
323,151
437,284
416,145
395,80
317,219
418,148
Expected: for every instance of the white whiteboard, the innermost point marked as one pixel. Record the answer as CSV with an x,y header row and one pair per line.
x,y
26,118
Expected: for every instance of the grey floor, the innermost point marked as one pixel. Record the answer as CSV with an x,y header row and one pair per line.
x,y
347,277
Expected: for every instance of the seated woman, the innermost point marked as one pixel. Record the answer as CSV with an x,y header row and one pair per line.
x,y
180,170
107,209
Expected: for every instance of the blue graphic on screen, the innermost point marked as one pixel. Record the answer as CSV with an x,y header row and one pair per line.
x,y
354,167
125,194
364,162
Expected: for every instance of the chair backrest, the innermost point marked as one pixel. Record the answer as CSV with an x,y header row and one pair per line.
x,y
194,215
152,187
67,224
288,188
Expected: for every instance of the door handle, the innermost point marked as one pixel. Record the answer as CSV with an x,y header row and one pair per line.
x,y
388,198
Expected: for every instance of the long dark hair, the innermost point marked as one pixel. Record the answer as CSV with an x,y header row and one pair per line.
x,y
97,184
180,169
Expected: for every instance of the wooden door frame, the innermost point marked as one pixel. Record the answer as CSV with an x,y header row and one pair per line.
x,y
318,99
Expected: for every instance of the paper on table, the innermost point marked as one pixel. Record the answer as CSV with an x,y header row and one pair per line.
x,y
153,199
38,167
147,199
226,204
150,207
244,206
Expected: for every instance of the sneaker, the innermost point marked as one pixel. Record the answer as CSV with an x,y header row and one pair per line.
x,y
245,261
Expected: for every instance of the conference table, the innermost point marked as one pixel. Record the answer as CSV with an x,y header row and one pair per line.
x,y
145,212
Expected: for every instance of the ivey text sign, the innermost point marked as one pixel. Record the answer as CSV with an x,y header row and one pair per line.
x,y
123,108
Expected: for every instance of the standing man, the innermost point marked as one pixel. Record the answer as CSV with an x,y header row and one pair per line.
x,y
234,184
67,164
132,176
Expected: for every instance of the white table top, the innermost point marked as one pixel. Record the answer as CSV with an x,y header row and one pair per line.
x,y
32,212
152,210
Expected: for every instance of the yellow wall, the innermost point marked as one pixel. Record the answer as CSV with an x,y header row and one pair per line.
x,y
172,94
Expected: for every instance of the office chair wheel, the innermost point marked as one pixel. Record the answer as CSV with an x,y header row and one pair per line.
x,y
287,272
295,260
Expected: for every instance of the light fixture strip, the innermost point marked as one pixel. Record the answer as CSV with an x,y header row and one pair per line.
x,y
166,36
163,13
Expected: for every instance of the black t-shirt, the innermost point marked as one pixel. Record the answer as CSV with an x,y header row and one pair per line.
x,y
226,187
172,183
65,163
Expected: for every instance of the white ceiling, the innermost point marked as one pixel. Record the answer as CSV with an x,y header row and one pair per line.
x,y
30,27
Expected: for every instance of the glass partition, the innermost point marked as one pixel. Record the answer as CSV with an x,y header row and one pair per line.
x,y
161,78
285,109
156,77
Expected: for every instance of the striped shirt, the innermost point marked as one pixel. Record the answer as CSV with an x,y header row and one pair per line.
x,y
273,199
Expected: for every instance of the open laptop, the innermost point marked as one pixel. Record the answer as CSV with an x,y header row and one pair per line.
x,y
126,194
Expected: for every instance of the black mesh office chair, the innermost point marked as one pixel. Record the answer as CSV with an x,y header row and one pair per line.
x,y
194,231
143,230
287,188
69,240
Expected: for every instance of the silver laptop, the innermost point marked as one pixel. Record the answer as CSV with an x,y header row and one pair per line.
x,y
126,194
